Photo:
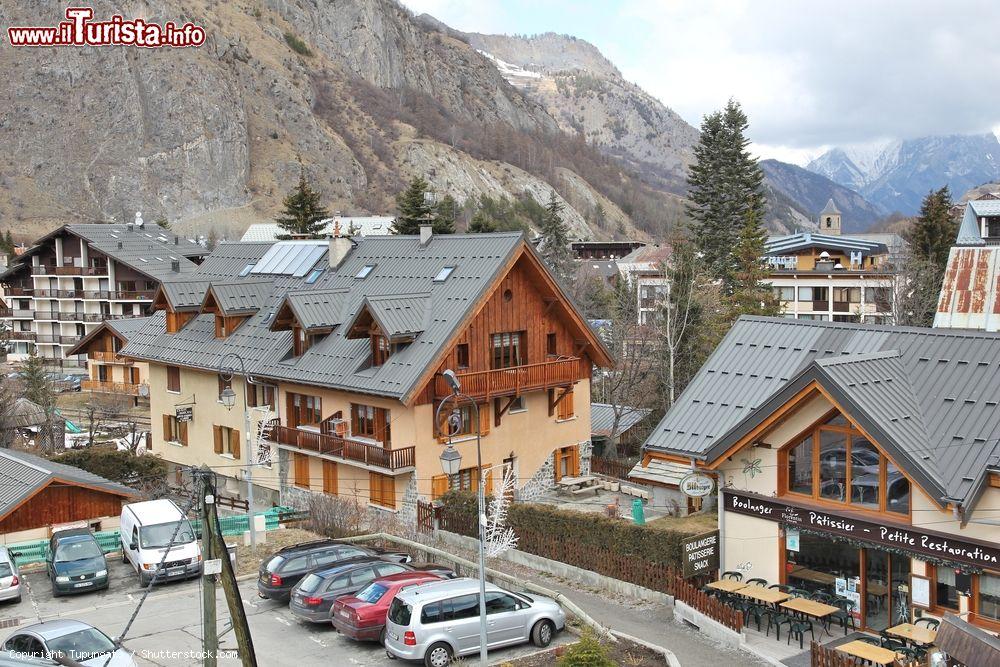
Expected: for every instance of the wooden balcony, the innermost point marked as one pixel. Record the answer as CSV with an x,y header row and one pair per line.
x,y
22,335
51,270
400,459
125,388
110,357
515,380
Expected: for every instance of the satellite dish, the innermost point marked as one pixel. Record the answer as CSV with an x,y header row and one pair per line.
x,y
144,390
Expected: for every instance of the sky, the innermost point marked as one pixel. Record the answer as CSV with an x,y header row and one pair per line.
x,y
810,73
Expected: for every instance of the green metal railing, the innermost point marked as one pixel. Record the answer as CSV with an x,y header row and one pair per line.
x,y
35,551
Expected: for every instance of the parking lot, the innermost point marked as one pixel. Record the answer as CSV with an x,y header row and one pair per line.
x,y
168,629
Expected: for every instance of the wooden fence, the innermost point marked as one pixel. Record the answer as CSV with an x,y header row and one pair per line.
x,y
711,607
825,656
610,467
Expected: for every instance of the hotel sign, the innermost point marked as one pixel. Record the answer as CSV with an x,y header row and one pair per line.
x,y
917,541
700,554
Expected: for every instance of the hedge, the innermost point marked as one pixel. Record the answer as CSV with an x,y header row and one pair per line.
x,y
585,529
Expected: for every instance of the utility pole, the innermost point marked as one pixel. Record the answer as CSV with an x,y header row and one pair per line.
x,y
209,628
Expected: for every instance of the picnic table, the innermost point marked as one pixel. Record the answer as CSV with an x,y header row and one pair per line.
x,y
763,594
578,485
728,585
874,654
914,633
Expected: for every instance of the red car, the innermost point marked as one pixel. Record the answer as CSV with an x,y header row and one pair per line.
x,y
362,616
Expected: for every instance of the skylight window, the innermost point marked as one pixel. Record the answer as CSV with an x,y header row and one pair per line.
x,y
443,274
143,259
365,270
246,270
314,276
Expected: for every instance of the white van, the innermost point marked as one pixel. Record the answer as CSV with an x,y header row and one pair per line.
x,y
146,529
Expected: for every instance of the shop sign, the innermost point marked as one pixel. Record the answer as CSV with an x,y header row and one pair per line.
x,y
696,485
700,554
184,414
792,539
919,542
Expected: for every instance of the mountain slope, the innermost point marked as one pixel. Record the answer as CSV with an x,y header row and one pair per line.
x,y
808,193
897,175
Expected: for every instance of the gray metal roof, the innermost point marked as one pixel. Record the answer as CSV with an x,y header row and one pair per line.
x,y
778,245
402,266
830,208
241,298
229,260
985,206
23,474
317,309
340,225
929,394
185,294
968,229
399,315
602,418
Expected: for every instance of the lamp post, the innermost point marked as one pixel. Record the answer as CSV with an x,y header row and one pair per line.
x,y
228,399
451,463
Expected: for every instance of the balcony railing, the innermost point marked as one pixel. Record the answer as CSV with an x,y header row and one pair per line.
x,y
110,357
514,380
125,388
51,270
22,335
133,295
20,291
57,340
75,316
348,449
64,363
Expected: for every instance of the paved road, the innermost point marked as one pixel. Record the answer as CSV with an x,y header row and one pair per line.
x,y
167,631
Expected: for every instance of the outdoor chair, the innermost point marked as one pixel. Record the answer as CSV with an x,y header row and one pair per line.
x,y
758,581
909,652
777,619
755,611
843,617
735,576
784,588
822,597
797,628
890,642
874,641
799,593
930,623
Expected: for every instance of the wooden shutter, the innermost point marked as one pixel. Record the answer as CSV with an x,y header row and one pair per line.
x,y
574,453
484,418
442,426
439,486
375,488
380,426
301,470
217,434
234,442
182,428
489,480
167,436
330,477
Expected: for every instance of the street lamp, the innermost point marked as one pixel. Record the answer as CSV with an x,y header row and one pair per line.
x,y
228,398
451,463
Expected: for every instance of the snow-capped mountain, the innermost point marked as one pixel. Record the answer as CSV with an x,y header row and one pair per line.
x,y
896,175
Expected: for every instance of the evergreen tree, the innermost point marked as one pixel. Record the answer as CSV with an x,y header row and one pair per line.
x,y
37,385
482,223
415,209
933,234
162,222
555,241
725,184
303,211
7,244
749,293
447,211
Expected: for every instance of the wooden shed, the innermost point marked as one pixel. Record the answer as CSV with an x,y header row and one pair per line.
x,y
36,493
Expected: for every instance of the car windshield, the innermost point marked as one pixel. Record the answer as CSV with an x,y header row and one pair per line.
x,y
310,583
400,612
371,593
159,535
82,644
68,551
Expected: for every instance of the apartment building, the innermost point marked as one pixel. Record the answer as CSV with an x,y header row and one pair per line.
x,y
336,349
72,279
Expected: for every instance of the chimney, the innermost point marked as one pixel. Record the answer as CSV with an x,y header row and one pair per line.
x,y
129,226
177,240
119,245
426,232
175,265
340,248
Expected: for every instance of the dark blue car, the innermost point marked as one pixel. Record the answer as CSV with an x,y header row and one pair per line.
x,y
75,562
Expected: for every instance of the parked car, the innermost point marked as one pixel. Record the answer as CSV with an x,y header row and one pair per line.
x,y
440,571
439,621
75,562
362,616
81,642
10,577
146,529
313,597
279,573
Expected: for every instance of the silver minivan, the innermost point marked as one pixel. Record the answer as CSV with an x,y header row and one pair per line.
x,y
10,578
438,621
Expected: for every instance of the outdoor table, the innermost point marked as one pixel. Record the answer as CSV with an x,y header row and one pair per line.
x,y
869,652
813,575
914,633
568,482
728,585
762,594
818,610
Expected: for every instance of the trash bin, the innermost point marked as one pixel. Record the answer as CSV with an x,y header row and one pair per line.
x,y
638,515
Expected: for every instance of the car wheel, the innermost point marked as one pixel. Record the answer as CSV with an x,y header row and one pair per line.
x,y
17,600
143,580
438,655
124,557
381,637
542,633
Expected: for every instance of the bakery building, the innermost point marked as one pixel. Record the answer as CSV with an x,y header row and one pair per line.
x,y
858,460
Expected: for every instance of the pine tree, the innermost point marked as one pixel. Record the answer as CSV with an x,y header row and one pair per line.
x,y
725,183
7,244
932,235
416,208
482,223
446,212
555,241
749,293
37,386
303,211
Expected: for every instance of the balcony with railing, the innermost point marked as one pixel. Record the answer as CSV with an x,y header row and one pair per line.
x,y
22,335
514,380
347,449
70,362
50,339
133,295
53,270
107,387
20,290
76,316
110,357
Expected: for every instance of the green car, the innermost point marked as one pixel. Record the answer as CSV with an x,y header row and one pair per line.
x,y
75,562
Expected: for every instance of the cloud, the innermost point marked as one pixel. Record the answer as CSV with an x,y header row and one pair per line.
x,y
809,73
